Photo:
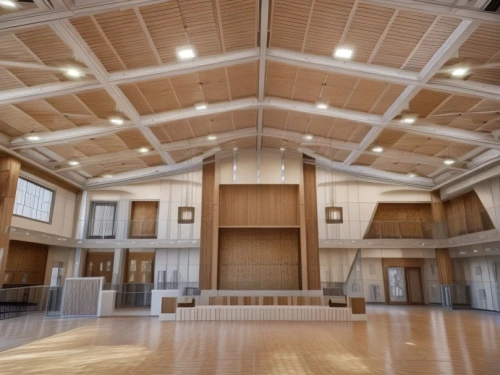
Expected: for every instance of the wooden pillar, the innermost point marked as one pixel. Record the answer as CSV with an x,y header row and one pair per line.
x,y
445,271
439,218
207,224
9,174
311,225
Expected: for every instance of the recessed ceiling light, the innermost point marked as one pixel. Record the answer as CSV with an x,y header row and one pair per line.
x,y
235,148
143,150
73,72
412,175
408,119
377,149
212,137
282,149
321,105
459,72
116,120
73,163
186,52
343,53
449,161
33,138
308,137
107,175
201,106
8,3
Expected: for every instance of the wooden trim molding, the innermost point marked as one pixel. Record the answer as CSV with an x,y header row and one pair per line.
x,y
445,270
311,224
207,221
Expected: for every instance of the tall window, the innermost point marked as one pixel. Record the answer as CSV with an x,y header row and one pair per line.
x,y
33,201
102,220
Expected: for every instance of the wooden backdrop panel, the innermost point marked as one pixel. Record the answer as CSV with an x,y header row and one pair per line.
x,y
259,205
259,259
143,219
311,225
100,264
26,263
207,221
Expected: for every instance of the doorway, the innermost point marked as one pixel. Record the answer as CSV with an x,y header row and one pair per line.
x,y
404,286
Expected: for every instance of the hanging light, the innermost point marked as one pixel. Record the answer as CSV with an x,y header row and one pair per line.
x,y
185,214
334,214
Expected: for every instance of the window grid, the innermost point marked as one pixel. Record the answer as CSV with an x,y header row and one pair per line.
x,y
33,201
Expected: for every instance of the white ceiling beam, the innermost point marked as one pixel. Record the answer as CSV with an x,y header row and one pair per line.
x,y
264,20
203,141
151,172
184,67
460,87
90,131
73,39
368,172
45,91
443,54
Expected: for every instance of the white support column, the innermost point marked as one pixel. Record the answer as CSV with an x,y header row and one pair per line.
x,y
83,213
122,219
119,259
264,19
79,262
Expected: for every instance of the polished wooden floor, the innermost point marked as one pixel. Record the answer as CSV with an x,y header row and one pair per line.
x,y
395,340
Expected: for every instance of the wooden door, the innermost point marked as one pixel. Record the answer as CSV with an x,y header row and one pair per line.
x,y
414,286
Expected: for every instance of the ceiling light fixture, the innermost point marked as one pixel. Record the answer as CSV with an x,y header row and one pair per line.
x,y
459,72
449,161
321,105
212,137
116,120
343,53
73,163
201,106
33,138
408,119
282,149
8,4
143,150
186,52
377,149
73,72
412,175
308,137
107,175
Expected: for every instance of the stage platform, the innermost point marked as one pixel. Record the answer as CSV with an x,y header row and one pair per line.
x,y
284,313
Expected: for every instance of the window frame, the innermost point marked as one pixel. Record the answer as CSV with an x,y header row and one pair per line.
x,y
90,218
52,203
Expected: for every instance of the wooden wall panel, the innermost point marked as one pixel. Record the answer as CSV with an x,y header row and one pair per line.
x,y
139,267
445,271
143,219
466,214
26,263
207,221
99,264
440,228
259,205
311,225
259,259
401,220
9,174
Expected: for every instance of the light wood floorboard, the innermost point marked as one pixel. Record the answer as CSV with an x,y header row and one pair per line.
x,y
395,340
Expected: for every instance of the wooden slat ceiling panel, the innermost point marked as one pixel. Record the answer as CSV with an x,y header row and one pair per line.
x,y
238,20
133,139
217,123
182,155
126,36
403,36
289,24
151,96
65,151
333,154
344,130
244,119
86,27
426,101
89,148
9,130
164,24
457,104
110,143
475,122
367,27
436,37
36,77
482,45
393,165
326,25
45,114
243,80
201,27
152,160
276,144
99,102
46,45
339,91
213,84
486,105
9,81
11,48
125,166
173,131
69,104
17,119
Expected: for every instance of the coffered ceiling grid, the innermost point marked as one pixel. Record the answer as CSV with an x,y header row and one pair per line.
x,y
401,64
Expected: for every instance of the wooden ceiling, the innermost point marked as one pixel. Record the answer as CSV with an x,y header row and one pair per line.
x,y
401,64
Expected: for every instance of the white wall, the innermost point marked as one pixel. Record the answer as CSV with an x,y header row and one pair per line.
x,y
179,190
335,264
62,214
182,265
358,198
373,280
266,168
